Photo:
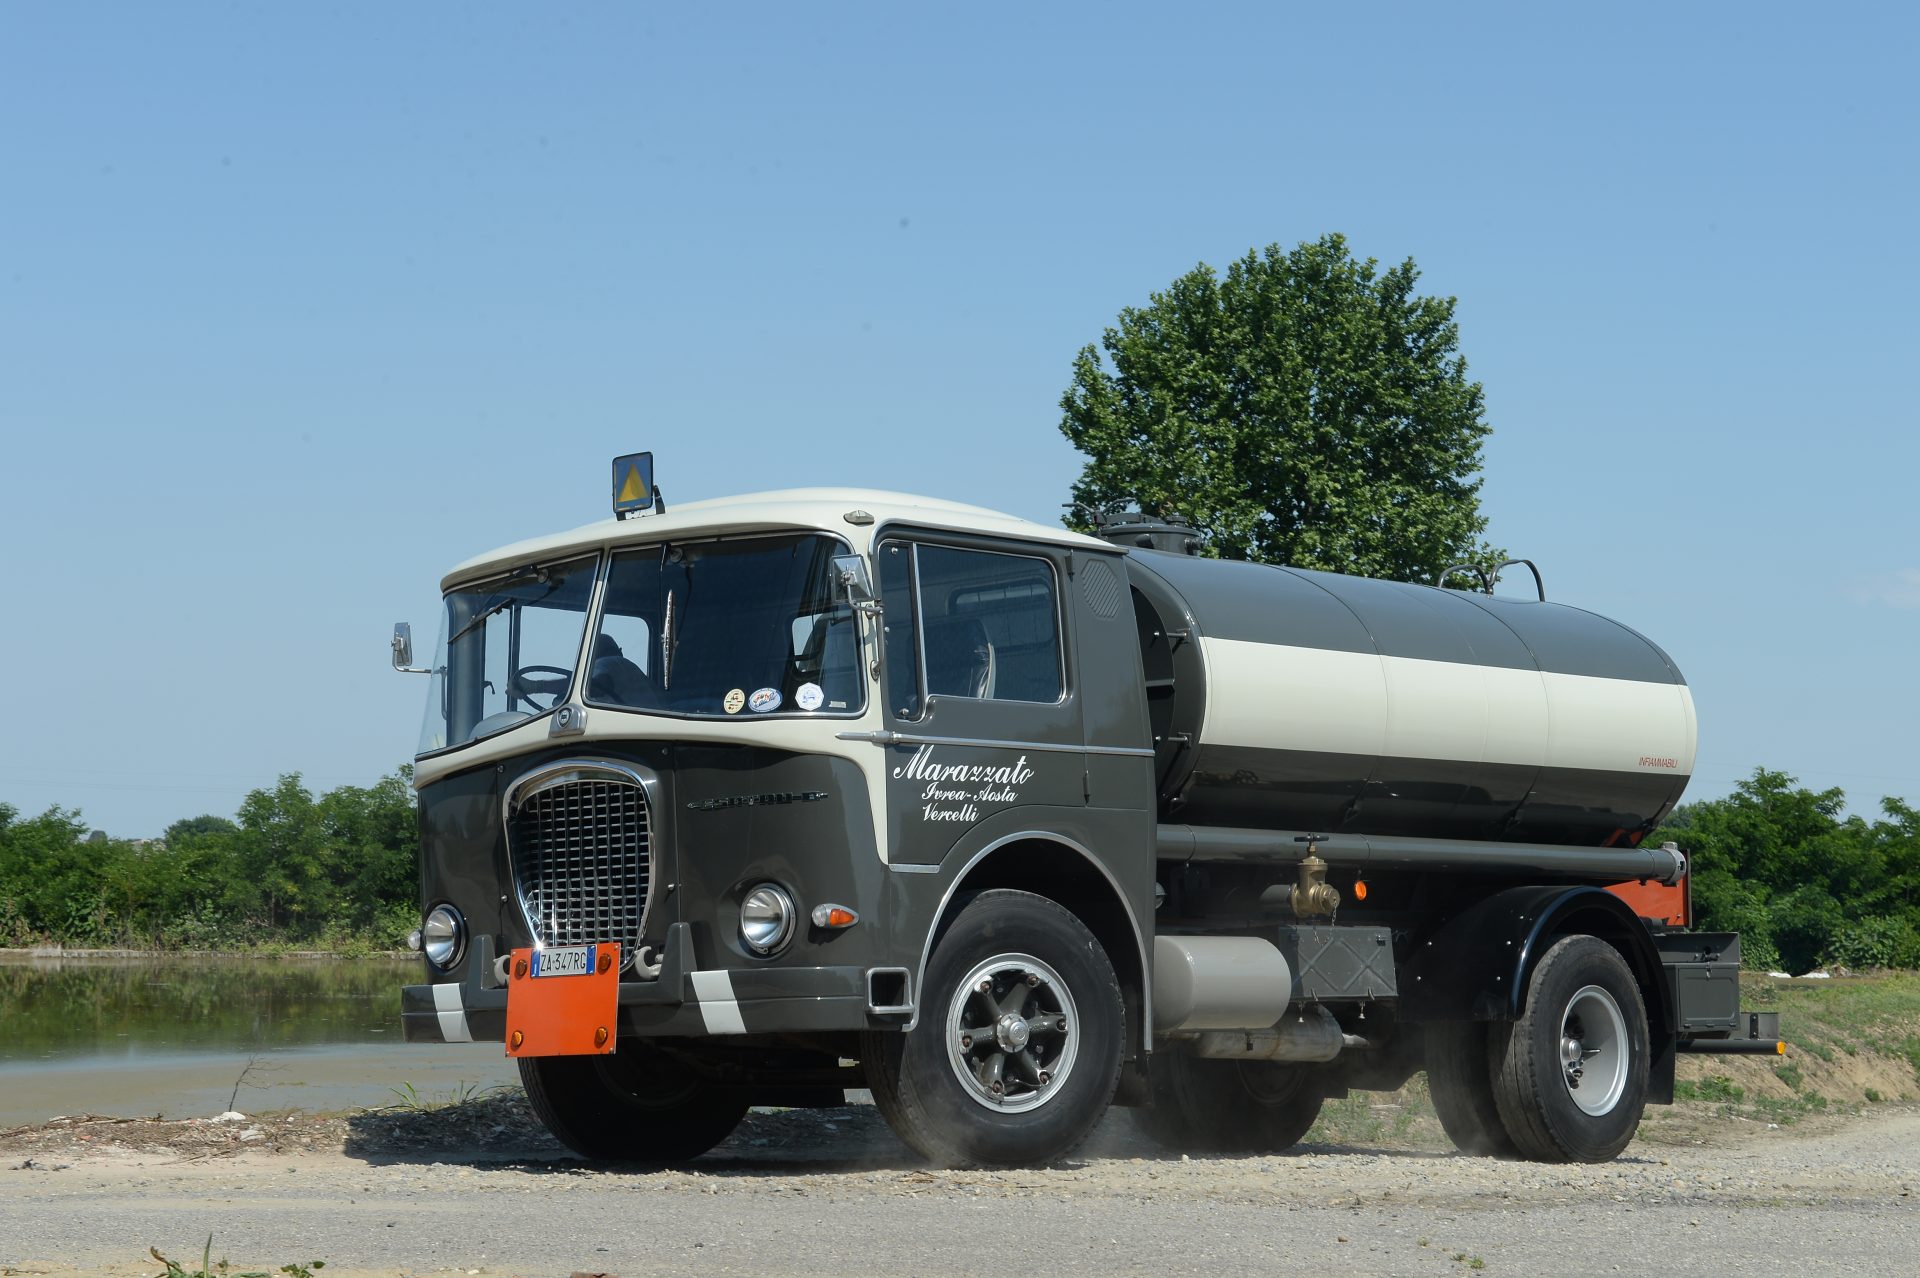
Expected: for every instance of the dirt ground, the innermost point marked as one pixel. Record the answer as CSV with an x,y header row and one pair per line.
x,y
1805,1165
477,1188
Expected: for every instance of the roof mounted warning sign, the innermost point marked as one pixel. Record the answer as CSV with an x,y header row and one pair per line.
x,y
633,490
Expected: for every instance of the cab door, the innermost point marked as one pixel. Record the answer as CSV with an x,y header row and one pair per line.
x,y
979,680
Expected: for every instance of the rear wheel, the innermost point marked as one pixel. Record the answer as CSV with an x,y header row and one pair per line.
x,y
1231,1107
1017,1050
637,1105
1570,1076
1460,1078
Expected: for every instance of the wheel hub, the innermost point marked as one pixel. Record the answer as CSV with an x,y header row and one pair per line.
x,y
1009,1037
1573,1057
1593,1050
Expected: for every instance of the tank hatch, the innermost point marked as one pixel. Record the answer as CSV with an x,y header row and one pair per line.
x,y
1138,530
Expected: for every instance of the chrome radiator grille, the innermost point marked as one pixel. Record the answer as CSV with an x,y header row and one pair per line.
x,y
582,856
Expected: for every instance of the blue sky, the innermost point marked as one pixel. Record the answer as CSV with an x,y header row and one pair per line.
x,y
300,305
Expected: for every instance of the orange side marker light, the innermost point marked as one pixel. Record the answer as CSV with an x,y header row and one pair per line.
x,y
833,918
1359,889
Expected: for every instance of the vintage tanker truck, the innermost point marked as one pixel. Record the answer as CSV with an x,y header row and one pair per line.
x,y
762,799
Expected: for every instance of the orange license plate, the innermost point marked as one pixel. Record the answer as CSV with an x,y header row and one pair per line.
x,y
562,1001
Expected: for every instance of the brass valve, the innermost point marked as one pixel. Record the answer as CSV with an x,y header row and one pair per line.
x,y
1312,894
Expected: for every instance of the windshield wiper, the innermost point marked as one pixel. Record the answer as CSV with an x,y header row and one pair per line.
x,y
502,601
668,643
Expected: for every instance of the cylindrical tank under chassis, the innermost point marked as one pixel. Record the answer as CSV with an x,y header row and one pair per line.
x,y
1294,700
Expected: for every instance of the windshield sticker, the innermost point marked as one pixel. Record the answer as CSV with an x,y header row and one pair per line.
x,y
763,700
808,696
954,791
734,701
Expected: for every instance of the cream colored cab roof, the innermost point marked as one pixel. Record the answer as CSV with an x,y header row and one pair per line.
x,y
821,508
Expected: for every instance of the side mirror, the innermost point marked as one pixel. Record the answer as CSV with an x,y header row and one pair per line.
x,y
403,649
854,585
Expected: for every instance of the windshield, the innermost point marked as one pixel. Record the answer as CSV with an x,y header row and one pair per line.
x,y
507,651
741,627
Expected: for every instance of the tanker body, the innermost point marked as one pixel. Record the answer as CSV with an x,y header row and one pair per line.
x,y
766,798
1313,701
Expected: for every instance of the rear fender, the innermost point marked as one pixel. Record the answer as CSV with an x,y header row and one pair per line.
x,y
1476,966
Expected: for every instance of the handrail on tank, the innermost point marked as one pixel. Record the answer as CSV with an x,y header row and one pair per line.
x,y
1486,582
1538,584
1488,578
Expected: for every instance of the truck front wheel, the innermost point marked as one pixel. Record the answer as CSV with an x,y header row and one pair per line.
x,y
637,1105
1017,1050
1570,1075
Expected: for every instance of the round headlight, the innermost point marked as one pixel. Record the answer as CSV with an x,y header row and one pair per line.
x,y
766,918
443,936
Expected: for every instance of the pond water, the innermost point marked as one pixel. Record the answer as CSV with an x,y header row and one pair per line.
x,y
173,1036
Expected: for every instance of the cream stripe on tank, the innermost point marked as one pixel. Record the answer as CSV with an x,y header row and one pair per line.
x,y
1281,697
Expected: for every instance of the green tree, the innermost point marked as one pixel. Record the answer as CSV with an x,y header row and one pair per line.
x,y
49,879
1801,882
340,867
190,828
376,839
1306,409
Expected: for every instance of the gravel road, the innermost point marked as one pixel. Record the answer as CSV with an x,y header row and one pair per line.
x,y
832,1193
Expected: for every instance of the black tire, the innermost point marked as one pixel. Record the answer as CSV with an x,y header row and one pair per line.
x,y
1230,1107
1460,1079
637,1105
1068,1027
1583,997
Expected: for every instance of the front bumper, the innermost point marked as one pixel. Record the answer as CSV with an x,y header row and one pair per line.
x,y
681,1002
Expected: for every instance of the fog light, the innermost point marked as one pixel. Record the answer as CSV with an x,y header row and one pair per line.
x,y
766,918
443,936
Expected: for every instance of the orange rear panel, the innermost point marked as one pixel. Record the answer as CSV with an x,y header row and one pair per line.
x,y
1661,902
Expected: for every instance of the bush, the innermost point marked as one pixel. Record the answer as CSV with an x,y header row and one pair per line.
x,y
1875,942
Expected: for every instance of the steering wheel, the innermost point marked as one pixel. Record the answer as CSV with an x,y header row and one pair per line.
x,y
519,686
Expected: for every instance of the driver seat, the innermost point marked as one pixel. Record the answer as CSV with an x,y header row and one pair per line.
x,y
959,658
614,680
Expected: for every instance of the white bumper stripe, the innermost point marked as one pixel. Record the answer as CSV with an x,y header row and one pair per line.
x,y
453,1015
718,1008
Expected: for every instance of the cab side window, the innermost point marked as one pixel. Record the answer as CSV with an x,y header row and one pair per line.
x,y
987,626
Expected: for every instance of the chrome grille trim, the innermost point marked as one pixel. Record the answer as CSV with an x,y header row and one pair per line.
x,y
581,850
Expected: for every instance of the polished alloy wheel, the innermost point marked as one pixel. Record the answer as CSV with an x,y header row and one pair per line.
x,y
1012,1033
1593,1050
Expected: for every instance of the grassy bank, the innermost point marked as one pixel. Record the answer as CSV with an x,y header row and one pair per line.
x,y
1851,1041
